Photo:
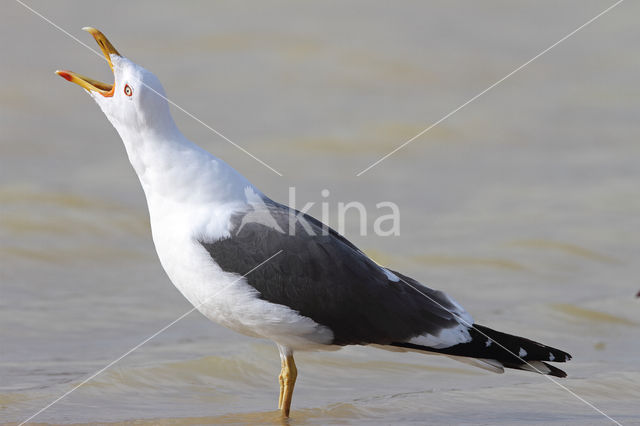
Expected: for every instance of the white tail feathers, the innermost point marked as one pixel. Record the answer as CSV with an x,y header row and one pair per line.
x,y
486,364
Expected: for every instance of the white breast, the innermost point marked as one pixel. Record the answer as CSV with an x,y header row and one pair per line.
x,y
178,226
227,298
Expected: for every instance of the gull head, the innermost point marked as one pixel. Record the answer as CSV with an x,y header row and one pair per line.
x,y
135,102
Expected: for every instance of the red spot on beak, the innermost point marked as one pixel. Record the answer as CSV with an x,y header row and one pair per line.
x,y
64,74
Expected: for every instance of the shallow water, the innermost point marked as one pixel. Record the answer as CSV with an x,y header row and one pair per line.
x,y
524,206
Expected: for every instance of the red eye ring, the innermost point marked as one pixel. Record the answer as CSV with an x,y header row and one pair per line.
x,y
128,90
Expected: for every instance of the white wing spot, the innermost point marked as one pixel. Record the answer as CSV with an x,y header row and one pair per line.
x,y
444,338
551,357
391,276
488,343
522,353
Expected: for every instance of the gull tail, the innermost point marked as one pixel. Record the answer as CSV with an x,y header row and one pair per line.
x,y
496,350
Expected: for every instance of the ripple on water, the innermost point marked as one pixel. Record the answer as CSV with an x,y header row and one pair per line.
x,y
373,139
39,225
586,314
468,261
567,248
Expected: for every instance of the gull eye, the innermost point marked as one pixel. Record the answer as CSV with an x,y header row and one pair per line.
x,y
128,90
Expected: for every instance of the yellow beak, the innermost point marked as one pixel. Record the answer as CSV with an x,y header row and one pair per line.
x,y
105,89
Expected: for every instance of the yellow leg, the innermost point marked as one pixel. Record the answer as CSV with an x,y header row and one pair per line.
x,y
281,378
288,379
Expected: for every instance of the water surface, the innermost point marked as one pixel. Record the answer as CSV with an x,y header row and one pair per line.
x,y
524,206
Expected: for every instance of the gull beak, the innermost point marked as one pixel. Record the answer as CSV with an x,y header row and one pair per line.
x,y
105,89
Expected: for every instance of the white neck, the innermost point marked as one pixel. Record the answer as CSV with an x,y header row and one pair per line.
x,y
172,168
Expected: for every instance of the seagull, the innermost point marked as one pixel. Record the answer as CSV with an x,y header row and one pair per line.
x,y
266,270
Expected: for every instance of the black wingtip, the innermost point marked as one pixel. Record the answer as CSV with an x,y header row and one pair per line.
x,y
558,355
554,371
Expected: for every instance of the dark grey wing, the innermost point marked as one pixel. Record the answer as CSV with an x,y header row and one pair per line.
x,y
324,277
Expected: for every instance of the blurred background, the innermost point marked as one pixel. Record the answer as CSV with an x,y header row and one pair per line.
x,y
524,206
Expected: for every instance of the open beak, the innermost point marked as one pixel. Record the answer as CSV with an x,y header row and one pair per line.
x,y
105,89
